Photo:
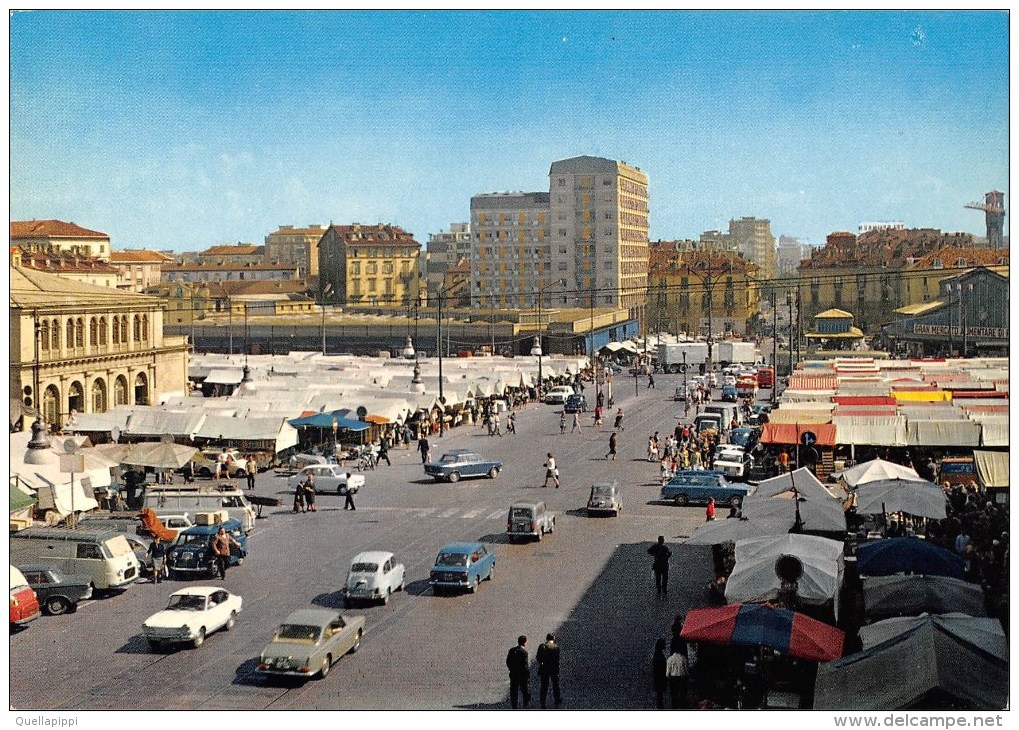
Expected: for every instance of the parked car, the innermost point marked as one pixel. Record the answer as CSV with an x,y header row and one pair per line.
x,y
373,576
237,465
58,593
604,499
140,547
734,463
191,554
690,486
529,519
191,615
558,395
329,478
462,463
729,392
680,394
745,437
461,565
309,642
576,403
24,604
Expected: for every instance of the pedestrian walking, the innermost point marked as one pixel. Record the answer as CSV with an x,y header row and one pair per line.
x,y
157,551
660,565
551,471
299,497
309,493
252,469
511,422
597,415
678,672
618,425
221,543
384,451
517,663
349,501
222,471
423,448
496,429
659,678
650,381
612,447
562,422
576,423
548,670
709,511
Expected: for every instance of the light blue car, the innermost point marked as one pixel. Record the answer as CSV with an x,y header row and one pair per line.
x,y
462,463
696,487
462,566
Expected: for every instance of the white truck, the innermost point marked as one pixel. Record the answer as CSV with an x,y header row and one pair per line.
x,y
724,352
727,352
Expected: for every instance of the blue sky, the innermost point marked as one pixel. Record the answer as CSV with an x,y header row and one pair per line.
x,y
179,130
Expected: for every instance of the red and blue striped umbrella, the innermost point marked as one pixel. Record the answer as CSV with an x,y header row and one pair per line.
x,y
753,624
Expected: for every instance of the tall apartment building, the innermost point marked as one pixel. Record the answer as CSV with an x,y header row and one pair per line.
x,y
368,264
790,253
445,250
510,251
293,245
590,230
754,241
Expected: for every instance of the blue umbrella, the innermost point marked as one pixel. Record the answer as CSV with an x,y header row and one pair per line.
x,y
908,555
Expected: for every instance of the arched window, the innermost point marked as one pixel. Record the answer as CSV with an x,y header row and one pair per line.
x,y
120,390
93,332
141,390
145,327
103,327
79,332
137,328
44,334
125,335
116,330
75,398
55,335
51,405
70,333
99,396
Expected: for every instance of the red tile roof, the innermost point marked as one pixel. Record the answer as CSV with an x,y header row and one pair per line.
x,y
59,262
241,249
51,228
139,256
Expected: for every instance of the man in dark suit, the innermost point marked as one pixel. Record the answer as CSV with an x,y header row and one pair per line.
x,y
519,672
548,669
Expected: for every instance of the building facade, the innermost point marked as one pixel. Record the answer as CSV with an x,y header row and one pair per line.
x,y
445,251
752,239
54,235
510,257
71,266
138,269
701,293
789,254
294,245
228,271
368,265
81,348
239,254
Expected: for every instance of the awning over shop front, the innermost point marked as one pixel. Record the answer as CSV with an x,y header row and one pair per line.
x,y
223,376
992,468
326,420
864,400
792,433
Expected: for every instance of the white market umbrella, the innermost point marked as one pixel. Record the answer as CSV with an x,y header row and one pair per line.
x,y
877,469
734,529
913,496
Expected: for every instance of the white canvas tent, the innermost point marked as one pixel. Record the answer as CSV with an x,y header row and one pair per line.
x,y
869,471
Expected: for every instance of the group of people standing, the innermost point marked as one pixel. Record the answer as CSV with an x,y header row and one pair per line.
x,y
519,666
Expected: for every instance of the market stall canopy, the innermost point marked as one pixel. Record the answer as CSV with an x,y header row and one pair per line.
x,y
98,422
325,420
931,667
979,632
907,555
875,469
789,434
802,480
791,633
911,595
273,429
162,455
992,468
915,497
737,528
753,577
224,376
153,422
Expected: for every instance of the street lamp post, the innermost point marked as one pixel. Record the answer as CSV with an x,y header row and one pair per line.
x,y
438,347
789,302
774,348
326,291
686,388
230,324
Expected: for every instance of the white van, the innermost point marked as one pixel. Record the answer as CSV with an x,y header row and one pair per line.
x,y
176,499
103,555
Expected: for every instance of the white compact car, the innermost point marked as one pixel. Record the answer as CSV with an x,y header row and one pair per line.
x,y
191,615
558,395
373,576
329,478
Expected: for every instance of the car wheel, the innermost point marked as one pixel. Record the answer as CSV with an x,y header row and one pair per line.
x,y
385,598
357,643
454,476
475,584
323,671
551,527
205,472
682,500
491,572
735,502
403,582
232,621
493,473
200,639
541,531
57,605
240,474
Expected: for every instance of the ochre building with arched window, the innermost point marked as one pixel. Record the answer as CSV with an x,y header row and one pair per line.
x,y
79,348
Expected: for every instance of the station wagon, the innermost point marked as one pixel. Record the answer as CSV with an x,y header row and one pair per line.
x,y
696,487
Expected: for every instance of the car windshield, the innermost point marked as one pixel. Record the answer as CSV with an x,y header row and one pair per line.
x,y
192,539
603,491
451,559
186,603
364,568
521,512
297,632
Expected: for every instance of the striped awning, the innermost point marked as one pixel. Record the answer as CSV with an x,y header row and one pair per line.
x,y
813,382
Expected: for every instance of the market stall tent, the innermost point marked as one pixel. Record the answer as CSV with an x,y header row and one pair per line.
x,y
911,595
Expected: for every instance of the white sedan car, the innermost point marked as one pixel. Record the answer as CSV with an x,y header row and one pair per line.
x,y
191,615
374,576
329,478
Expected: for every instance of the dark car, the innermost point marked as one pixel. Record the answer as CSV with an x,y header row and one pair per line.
x,y
576,403
57,593
192,553
745,437
462,463
691,486
462,565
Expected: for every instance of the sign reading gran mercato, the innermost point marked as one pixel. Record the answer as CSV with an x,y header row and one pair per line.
x,y
1000,333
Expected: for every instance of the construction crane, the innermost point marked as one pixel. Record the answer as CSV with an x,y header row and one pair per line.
x,y
994,213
